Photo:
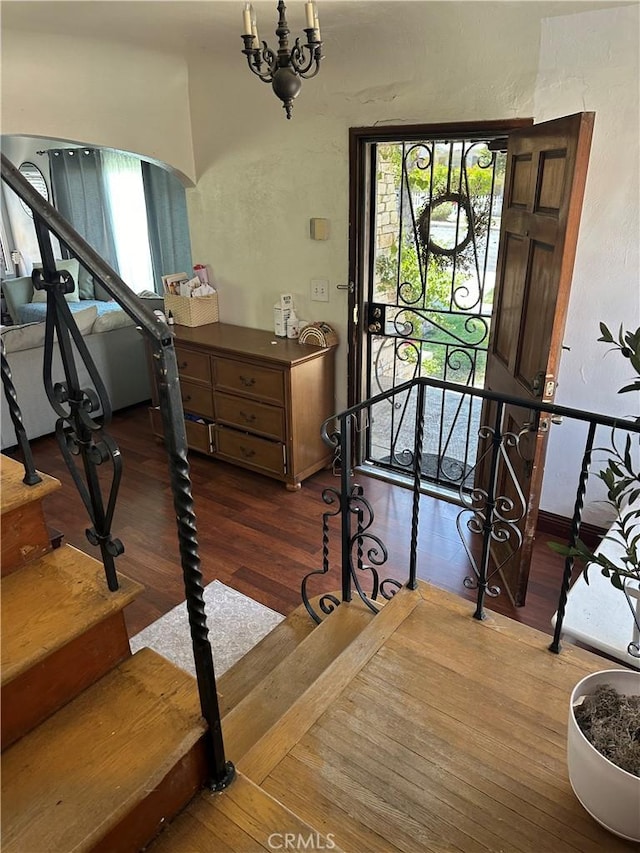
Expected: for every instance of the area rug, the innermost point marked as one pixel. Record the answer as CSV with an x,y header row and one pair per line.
x,y
236,623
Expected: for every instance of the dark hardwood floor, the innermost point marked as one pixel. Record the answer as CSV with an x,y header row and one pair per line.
x,y
259,538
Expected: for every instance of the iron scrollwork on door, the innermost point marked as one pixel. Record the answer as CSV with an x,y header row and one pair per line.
x,y
435,223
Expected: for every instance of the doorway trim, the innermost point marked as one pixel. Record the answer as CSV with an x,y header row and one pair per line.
x,y
359,179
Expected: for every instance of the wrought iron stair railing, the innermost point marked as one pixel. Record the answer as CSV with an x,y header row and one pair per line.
x,y
84,415
488,512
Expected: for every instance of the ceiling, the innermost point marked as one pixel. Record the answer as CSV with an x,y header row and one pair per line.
x,y
178,27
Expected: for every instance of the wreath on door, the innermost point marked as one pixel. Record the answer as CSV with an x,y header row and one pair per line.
x,y
424,225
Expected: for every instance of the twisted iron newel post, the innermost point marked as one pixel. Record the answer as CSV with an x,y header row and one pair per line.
x,y
31,476
417,478
166,371
345,488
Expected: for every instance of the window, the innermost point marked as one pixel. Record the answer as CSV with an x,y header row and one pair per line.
x,y
128,214
35,177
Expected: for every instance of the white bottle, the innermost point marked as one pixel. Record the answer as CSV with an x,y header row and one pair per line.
x,y
293,325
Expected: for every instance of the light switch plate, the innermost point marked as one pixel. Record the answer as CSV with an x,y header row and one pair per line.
x,y
319,290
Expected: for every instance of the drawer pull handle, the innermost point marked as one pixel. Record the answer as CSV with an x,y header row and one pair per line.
x,y
248,419
248,381
182,365
247,452
186,398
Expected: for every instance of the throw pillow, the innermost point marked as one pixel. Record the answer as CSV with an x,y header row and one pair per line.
x,y
17,292
111,320
28,336
86,319
85,284
100,293
71,266
31,335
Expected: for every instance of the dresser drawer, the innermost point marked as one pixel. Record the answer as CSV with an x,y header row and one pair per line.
x,y
199,436
250,415
193,365
249,380
197,398
250,451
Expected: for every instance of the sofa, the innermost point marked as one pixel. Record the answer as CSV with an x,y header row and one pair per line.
x,y
112,338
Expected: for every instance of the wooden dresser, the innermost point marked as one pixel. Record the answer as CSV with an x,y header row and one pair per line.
x,y
254,400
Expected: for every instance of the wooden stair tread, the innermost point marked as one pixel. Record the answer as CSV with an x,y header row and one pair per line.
x,y
238,681
14,493
244,724
243,818
268,747
66,784
51,601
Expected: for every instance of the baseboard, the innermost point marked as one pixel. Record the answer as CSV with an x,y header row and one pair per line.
x,y
559,526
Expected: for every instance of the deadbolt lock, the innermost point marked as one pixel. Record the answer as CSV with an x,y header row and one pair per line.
x,y
375,318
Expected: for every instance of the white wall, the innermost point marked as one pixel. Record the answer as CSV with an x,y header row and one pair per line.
x,y
590,62
99,93
261,177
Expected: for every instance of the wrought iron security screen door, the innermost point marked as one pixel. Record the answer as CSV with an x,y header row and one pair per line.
x,y
433,223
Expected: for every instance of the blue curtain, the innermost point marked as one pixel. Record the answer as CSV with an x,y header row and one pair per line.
x,y
79,195
168,223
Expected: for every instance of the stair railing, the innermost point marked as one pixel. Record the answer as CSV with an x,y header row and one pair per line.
x,y
493,507
84,414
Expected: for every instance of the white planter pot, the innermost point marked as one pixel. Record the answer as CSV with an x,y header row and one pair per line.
x,y
610,795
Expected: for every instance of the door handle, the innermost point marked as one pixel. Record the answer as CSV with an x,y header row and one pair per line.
x,y
375,328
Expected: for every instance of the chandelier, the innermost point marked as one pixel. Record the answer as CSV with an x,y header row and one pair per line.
x,y
283,68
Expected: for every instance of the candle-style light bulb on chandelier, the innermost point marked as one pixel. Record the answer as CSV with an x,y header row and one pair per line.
x,y
283,68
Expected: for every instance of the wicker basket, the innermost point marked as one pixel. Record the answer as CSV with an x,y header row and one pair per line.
x,y
319,334
192,310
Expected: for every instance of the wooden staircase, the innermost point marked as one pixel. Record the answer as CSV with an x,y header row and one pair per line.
x,y
100,747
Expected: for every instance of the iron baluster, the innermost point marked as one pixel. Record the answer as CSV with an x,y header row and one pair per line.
x,y
345,480
350,501
166,371
487,526
327,602
78,437
359,541
573,536
31,476
417,477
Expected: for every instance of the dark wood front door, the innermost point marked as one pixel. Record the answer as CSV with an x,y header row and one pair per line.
x,y
544,189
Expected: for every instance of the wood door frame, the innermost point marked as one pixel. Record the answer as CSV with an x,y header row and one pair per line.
x,y
359,137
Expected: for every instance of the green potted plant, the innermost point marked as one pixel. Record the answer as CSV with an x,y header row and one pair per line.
x,y
605,771
622,482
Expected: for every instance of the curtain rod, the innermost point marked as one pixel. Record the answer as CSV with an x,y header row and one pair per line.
x,y
58,150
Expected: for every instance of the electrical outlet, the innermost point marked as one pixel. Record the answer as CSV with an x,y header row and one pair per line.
x,y
319,290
